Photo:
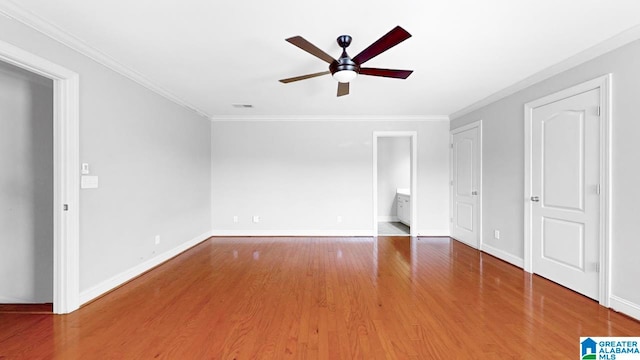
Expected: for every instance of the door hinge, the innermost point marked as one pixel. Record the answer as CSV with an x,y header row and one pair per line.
x,y
65,207
451,182
598,189
598,111
597,267
450,220
451,145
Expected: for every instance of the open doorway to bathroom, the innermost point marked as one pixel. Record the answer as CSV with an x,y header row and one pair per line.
x,y
393,179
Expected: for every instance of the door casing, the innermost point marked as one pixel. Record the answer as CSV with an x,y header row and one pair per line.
x,y
602,83
66,164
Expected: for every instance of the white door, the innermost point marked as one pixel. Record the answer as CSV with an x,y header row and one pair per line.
x,y
565,207
465,186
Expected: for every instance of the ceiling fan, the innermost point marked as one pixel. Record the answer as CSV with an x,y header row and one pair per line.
x,y
346,68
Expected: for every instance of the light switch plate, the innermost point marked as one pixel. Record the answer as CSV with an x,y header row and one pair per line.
x,y
88,182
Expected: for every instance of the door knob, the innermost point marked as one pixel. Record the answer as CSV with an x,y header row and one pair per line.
x,y
474,193
535,198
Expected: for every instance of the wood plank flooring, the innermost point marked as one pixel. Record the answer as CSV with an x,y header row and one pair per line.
x,y
322,298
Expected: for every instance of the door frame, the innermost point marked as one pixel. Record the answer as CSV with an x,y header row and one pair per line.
x,y
66,184
413,137
476,124
603,83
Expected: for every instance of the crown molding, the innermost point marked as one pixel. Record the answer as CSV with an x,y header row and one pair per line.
x,y
303,118
12,11
582,57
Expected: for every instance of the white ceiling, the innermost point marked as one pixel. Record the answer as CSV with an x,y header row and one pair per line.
x,y
212,54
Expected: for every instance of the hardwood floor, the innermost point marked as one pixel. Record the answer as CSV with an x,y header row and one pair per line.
x,y
322,298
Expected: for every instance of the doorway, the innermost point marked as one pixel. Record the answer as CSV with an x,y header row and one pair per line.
x,y
566,188
394,183
66,164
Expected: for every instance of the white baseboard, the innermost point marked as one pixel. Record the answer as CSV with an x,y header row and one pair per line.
x,y
316,233
382,218
503,255
625,306
115,281
434,232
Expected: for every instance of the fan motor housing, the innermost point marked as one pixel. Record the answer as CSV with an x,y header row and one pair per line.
x,y
344,62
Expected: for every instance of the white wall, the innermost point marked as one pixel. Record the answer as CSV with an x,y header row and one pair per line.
x,y
394,171
153,160
299,176
503,151
26,187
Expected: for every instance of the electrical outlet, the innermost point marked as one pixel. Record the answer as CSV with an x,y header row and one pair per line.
x,y
256,219
496,234
235,218
157,239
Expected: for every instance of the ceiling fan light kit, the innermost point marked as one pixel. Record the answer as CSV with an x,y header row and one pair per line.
x,y
345,69
345,76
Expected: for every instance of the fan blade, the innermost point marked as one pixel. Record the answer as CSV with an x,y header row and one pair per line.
x,y
391,39
343,89
398,74
303,77
303,44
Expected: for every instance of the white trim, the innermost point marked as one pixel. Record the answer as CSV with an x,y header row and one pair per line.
x,y
388,218
528,171
606,111
232,239
503,255
476,124
117,280
604,84
16,12
323,233
296,233
591,53
66,154
434,232
625,306
299,118
413,135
